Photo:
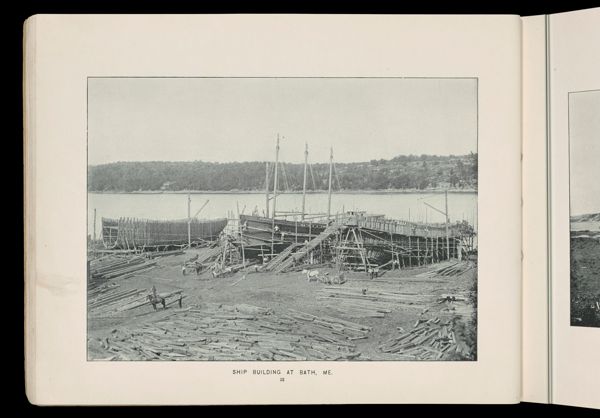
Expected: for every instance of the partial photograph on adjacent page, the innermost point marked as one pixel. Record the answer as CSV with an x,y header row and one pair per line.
x,y
285,219
584,142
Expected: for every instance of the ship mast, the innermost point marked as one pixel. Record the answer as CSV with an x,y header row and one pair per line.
x,y
274,198
275,179
447,233
267,189
189,223
304,183
330,174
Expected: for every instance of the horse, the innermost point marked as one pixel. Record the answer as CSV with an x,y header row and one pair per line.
x,y
155,300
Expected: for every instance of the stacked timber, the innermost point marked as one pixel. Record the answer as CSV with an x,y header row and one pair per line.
x,y
456,304
238,332
107,301
366,302
154,254
112,267
208,254
102,289
429,340
221,260
454,269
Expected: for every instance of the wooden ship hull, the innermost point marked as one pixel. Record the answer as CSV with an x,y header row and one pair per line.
x,y
355,239
359,240
368,242
263,235
133,233
258,229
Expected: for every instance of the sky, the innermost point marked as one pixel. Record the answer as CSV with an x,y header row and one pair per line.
x,y
238,119
584,141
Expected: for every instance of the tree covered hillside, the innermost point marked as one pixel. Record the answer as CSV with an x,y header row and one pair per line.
x,y
402,172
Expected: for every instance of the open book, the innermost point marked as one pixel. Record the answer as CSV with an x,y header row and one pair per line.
x,y
312,209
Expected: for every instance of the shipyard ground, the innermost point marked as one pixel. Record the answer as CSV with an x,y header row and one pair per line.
x,y
285,291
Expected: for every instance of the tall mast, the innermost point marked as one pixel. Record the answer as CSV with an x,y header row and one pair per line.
x,y
304,183
189,202
447,234
330,174
267,190
275,179
274,198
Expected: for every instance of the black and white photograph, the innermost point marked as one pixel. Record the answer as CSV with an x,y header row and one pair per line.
x,y
298,219
584,140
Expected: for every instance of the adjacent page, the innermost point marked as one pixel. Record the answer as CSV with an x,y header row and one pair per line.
x,y
574,85
535,220
120,91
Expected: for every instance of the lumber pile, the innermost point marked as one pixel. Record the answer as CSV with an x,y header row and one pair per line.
x,y
110,302
155,254
303,266
101,289
366,302
106,300
217,271
221,260
237,332
454,269
208,254
455,305
428,340
112,267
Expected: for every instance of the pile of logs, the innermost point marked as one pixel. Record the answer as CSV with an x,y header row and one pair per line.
x,y
105,300
208,254
454,269
429,340
238,332
113,266
154,254
365,302
221,260
456,304
101,289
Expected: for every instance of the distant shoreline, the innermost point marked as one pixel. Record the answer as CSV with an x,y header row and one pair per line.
x,y
386,191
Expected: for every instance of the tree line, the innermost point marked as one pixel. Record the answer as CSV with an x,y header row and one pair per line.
x,y
404,172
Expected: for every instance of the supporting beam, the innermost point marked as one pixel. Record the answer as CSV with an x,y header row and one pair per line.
x,y
330,174
304,181
189,223
267,190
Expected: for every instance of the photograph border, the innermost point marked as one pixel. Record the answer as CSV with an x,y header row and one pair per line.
x,y
275,362
597,90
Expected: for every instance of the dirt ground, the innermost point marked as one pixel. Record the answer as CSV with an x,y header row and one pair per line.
x,y
585,279
281,292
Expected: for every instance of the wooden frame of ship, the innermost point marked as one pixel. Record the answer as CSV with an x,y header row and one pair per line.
x,y
355,240
147,234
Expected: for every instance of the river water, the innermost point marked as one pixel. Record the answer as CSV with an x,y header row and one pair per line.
x,y
405,206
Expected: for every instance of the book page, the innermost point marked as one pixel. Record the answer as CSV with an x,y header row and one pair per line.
x,y
396,278
574,40
535,244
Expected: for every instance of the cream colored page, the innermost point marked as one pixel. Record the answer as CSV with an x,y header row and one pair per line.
x,y
29,204
68,49
535,244
575,68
